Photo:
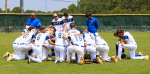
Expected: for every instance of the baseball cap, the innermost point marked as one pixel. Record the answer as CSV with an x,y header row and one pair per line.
x,y
38,25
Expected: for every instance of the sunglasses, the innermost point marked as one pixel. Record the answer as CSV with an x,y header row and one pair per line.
x,y
54,16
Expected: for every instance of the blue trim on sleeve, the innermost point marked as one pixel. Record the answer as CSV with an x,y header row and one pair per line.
x,y
69,38
47,37
83,35
23,31
126,37
33,36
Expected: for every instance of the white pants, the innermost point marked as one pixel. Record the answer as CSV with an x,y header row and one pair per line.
x,y
46,51
21,51
61,52
15,48
131,48
38,50
92,51
104,49
75,49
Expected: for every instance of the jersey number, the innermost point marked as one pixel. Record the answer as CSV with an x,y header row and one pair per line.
x,y
60,35
79,38
38,38
25,35
91,37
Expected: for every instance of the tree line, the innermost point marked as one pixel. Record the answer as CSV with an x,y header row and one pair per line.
x,y
99,7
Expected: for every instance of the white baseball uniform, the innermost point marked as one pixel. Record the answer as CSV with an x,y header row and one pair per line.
x,y
23,46
91,47
131,46
49,46
78,46
68,21
103,47
60,46
37,46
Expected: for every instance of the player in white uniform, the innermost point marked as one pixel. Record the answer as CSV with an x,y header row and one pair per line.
x,y
58,23
130,44
90,45
37,46
22,46
60,47
47,46
103,47
78,45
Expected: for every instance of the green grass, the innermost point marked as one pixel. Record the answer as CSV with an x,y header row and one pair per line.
x,y
48,67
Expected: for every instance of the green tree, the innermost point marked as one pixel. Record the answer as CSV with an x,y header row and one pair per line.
x,y
1,11
72,8
38,11
64,10
30,11
16,10
56,11
8,10
49,12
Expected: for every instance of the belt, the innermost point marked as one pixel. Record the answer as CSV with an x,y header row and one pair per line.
x,y
60,45
14,43
21,43
91,45
78,45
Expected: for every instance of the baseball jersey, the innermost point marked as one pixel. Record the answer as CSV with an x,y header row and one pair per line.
x,y
92,25
27,38
89,38
59,38
47,33
18,39
58,24
76,40
40,39
129,38
100,40
68,21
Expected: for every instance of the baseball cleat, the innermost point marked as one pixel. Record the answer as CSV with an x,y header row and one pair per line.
x,y
10,57
118,58
81,61
5,55
14,52
114,59
140,53
146,57
29,60
56,61
99,60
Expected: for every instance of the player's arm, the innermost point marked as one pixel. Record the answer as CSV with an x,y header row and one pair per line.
x,y
33,38
65,36
50,42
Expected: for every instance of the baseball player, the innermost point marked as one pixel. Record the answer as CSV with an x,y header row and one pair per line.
x,y
130,44
103,47
23,45
78,45
60,46
58,23
37,46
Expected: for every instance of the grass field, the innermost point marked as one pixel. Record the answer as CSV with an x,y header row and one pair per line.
x,y
48,67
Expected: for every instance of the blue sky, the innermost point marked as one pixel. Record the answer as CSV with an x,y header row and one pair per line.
x,y
38,4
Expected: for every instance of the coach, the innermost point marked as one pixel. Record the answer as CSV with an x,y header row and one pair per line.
x,y
92,23
33,21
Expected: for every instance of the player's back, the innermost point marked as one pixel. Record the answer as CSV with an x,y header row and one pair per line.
x,y
89,38
18,39
40,39
27,38
59,38
100,40
129,37
77,40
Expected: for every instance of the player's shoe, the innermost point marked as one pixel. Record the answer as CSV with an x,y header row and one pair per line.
x,y
29,60
140,53
56,61
81,61
146,57
10,57
99,60
5,55
14,52
118,58
114,59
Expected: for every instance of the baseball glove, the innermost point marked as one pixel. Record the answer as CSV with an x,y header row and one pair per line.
x,y
88,61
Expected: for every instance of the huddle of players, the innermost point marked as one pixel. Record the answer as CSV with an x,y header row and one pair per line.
x,y
69,41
